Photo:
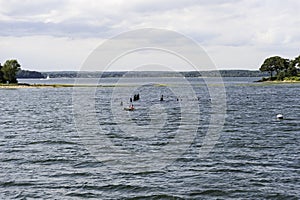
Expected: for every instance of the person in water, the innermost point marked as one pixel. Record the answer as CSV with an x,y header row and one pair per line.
x,y
131,107
162,98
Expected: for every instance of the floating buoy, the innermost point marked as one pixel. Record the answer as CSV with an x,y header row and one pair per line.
x,y
279,116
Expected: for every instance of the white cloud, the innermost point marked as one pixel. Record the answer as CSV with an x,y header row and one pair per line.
x,y
251,29
47,53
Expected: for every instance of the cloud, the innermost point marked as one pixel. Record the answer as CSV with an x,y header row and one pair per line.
x,y
258,27
29,8
221,22
47,53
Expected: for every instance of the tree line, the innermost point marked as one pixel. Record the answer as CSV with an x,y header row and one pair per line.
x,y
8,72
280,68
29,74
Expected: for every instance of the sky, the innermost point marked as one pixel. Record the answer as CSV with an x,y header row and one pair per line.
x,y
52,35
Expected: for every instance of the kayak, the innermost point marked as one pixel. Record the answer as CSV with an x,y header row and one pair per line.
x,y
129,109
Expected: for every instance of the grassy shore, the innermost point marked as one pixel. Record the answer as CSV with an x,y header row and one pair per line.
x,y
293,79
32,85
25,85
49,85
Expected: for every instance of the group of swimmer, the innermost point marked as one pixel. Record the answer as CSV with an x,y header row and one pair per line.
x,y
136,97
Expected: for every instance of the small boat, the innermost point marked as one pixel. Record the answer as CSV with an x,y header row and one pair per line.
x,y
129,109
47,78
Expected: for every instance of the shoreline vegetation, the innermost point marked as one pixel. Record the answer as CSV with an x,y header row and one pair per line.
x,y
137,74
25,85
281,69
294,79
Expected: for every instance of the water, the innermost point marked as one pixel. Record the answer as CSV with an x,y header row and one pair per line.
x,y
256,156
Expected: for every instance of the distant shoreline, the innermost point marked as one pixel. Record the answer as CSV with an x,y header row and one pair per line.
x,y
32,85
136,74
22,85
294,79
284,81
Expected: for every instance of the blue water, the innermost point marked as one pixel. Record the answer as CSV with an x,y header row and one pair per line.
x,y
44,156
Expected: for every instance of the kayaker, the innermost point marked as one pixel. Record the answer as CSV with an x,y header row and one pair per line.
x,y
131,107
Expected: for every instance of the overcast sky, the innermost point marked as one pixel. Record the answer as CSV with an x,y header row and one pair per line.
x,y
59,34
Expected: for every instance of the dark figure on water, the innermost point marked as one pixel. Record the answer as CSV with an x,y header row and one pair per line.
x,y
136,97
162,98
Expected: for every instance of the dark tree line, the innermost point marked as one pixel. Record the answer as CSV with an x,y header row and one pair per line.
x,y
279,67
29,74
8,72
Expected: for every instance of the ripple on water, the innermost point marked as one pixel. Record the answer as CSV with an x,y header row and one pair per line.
x,y
256,157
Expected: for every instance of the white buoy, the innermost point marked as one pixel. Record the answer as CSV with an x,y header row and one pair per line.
x,y
279,116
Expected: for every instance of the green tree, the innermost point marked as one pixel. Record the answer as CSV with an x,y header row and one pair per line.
x,y
274,64
296,63
1,75
281,75
286,63
291,71
9,70
294,67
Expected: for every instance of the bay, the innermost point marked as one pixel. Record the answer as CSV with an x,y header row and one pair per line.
x,y
43,155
